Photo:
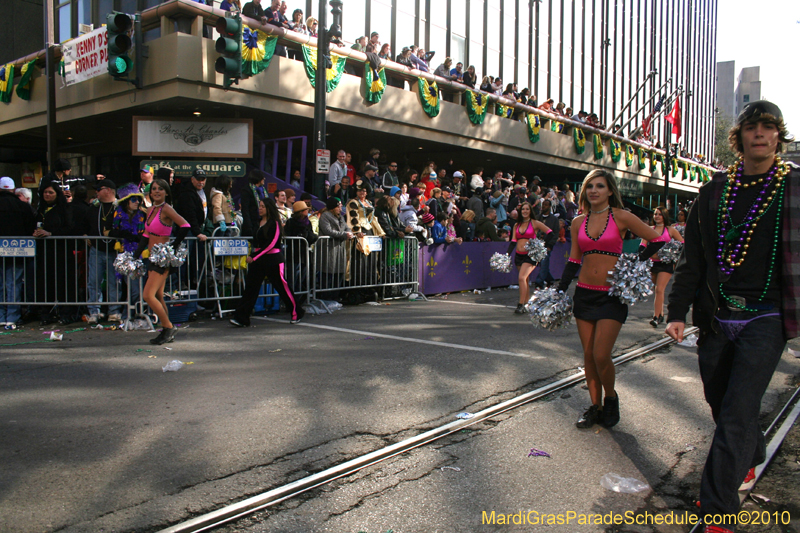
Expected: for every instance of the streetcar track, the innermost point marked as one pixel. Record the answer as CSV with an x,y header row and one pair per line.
x,y
277,495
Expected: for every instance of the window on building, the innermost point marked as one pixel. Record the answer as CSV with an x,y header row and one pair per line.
x,y
746,98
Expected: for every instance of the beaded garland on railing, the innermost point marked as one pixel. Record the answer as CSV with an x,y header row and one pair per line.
x,y
734,239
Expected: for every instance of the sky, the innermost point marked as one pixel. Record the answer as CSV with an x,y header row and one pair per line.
x,y
765,34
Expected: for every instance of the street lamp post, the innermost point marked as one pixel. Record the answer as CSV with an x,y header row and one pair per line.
x,y
324,38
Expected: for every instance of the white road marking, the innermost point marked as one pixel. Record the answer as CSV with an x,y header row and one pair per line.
x,y
405,339
470,303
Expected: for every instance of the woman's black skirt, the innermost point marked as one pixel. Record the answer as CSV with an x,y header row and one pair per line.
x,y
661,266
521,259
598,305
157,269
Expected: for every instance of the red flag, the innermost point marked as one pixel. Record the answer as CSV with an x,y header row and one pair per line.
x,y
674,118
646,127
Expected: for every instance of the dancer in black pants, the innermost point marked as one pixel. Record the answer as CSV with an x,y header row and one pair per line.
x,y
267,260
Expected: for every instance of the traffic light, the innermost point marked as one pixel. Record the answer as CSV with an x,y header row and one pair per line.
x,y
229,45
118,25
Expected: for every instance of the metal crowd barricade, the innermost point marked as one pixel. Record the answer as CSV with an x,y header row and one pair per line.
x,y
339,266
65,277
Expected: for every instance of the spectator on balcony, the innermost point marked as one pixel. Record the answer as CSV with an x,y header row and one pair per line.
x,y
486,228
580,116
360,45
458,72
497,86
53,219
16,220
560,109
297,25
443,70
416,61
475,203
254,10
469,78
276,15
593,120
332,252
311,25
385,52
222,212
229,5
486,85
548,105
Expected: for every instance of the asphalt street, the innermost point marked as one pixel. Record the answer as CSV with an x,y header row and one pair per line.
x,y
95,437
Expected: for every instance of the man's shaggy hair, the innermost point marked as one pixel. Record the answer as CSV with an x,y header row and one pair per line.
x,y
735,135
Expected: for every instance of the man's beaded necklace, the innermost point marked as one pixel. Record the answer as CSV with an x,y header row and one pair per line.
x,y
734,239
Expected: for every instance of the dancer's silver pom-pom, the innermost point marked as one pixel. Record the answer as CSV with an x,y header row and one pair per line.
x,y
631,280
500,262
550,309
670,252
536,250
126,265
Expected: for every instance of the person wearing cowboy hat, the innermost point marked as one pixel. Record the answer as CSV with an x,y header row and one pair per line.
x,y
128,227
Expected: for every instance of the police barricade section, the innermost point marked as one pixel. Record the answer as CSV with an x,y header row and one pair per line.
x,y
63,278
376,263
461,267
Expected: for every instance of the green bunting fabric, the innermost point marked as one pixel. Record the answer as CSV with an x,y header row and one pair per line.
x,y
333,75
6,82
703,174
598,146
580,140
257,50
375,85
674,167
642,157
24,85
503,110
556,126
629,153
534,126
429,97
616,150
653,162
477,106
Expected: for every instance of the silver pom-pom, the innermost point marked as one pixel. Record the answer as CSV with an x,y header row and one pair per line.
x,y
670,252
536,250
164,256
126,265
500,262
631,280
550,309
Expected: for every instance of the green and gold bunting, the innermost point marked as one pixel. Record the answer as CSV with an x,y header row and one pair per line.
x,y
642,156
580,140
629,154
616,150
693,173
534,125
663,164
429,96
674,167
703,174
375,84
24,85
653,161
333,75
503,110
6,82
598,145
477,106
556,126
257,50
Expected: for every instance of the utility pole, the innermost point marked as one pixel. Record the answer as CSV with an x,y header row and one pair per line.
x,y
324,38
50,70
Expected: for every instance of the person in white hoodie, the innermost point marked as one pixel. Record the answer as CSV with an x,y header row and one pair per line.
x,y
477,179
408,218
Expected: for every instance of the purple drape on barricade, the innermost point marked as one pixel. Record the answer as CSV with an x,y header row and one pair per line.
x,y
462,267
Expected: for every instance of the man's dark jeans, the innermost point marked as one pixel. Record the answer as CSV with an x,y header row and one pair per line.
x,y
735,376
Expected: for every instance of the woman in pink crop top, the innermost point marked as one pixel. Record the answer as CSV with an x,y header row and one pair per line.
x,y
661,271
596,245
158,230
524,230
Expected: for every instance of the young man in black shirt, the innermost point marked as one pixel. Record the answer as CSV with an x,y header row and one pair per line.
x,y
739,272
